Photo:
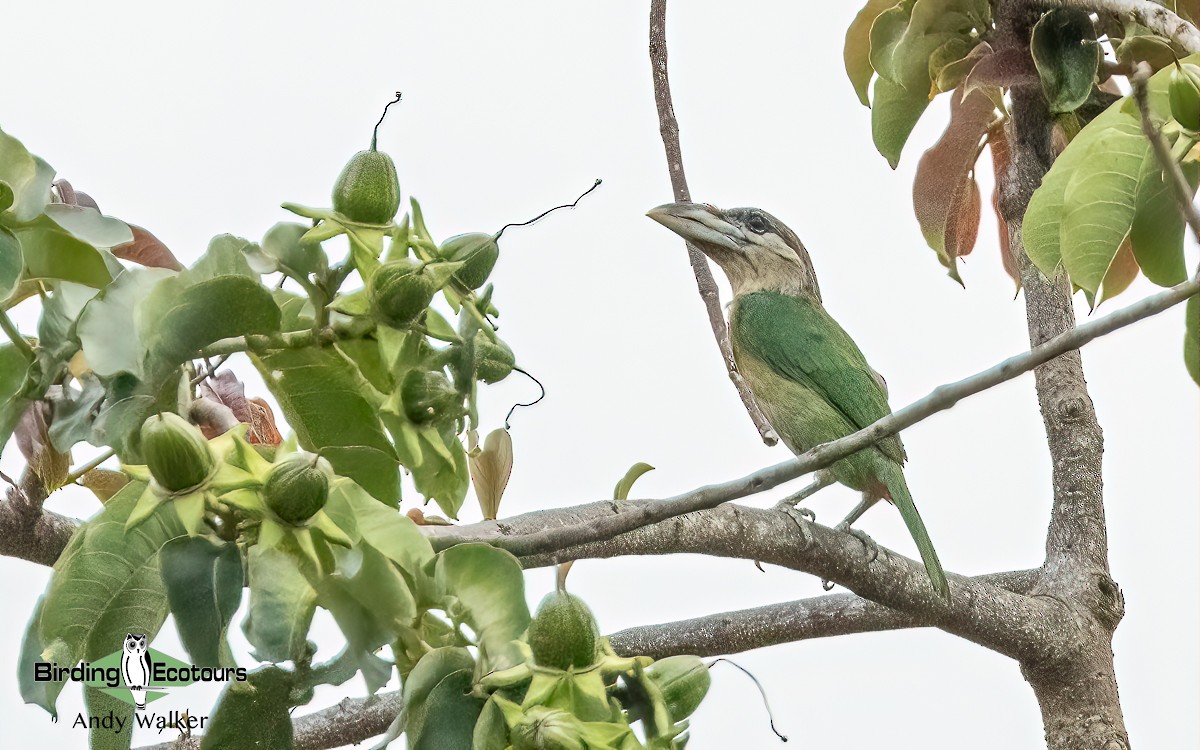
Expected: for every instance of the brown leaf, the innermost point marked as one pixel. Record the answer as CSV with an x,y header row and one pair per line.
x,y
147,250
33,440
1001,161
104,483
1120,274
212,417
943,183
225,388
262,423
1006,67
491,467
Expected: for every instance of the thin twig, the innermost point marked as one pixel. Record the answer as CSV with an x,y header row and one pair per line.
x,y
290,340
76,475
1153,16
668,128
15,336
1179,184
633,516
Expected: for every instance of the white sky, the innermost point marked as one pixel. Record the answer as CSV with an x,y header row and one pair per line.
x,y
197,122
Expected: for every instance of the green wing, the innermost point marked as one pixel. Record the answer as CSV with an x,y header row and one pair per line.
x,y
801,342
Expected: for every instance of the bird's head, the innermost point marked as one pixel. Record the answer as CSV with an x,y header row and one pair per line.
x,y
755,250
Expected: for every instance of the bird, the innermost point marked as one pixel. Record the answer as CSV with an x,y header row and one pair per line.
x,y
808,377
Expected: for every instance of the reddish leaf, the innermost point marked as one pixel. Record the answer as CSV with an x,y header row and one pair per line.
x,y
943,186
1001,160
1121,272
147,250
33,439
262,423
225,388
1007,67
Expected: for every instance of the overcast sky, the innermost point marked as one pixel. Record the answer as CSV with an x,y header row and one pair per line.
x,y
197,122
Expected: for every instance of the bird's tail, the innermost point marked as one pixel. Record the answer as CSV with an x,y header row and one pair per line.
x,y
898,489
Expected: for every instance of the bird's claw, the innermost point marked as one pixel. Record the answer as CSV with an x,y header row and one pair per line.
x,y
871,546
802,517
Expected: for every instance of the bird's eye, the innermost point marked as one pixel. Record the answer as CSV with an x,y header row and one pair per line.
x,y
757,223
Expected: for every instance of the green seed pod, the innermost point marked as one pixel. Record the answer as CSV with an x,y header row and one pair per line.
x,y
477,251
683,680
368,189
493,359
429,397
547,729
176,452
1184,93
399,291
564,633
297,487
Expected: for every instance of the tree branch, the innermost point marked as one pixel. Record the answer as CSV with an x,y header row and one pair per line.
x,y
348,723
556,533
1155,17
27,530
668,128
787,622
291,340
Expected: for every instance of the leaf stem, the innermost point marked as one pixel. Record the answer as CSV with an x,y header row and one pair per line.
x,y
15,336
290,340
76,475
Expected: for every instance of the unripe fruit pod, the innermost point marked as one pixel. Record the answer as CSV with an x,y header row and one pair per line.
x,y
399,292
546,729
564,633
1184,93
368,189
683,681
477,251
176,452
429,397
493,359
297,487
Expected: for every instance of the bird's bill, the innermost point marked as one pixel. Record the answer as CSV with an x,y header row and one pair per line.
x,y
699,223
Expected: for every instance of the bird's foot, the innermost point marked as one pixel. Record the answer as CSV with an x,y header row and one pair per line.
x,y
821,480
867,542
802,517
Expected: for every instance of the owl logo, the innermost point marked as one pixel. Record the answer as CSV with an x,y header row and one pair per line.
x,y
135,667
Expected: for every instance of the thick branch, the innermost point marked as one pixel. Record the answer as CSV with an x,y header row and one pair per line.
x,y
668,127
1153,16
1013,624
348,723
787,622
27,530
554,534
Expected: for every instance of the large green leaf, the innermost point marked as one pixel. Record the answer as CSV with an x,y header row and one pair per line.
x,y
90,225
443,476
486,588
27,179
894,113
225,256
387,530
204,587
13,400
281,606
53,253
1158,228
106,584
253,715
176,322
325,400
106,327
1067,56
857,50
1191,338
440,711
1100,201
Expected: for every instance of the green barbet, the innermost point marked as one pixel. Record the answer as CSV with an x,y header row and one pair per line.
x,y
807,375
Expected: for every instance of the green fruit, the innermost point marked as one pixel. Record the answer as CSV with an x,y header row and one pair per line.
x,y
176,452
297,487
547,729
368,190
493,359
429,397
1184,93
683,681
399,291
477,251
564,633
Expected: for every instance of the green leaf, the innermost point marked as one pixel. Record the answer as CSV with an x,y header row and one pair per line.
x,y
856,53
1100,200
51,252
11,263
176,323
90,225
282,244
1158,228
119,426
387,530
324,397
99,703
486,589
75,413
225,256
106,584
253,715
621,491
1067,56
281,606
32,649
13,368
106,327
443,475
894,114
440,711
27,179
204,588
1191,338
